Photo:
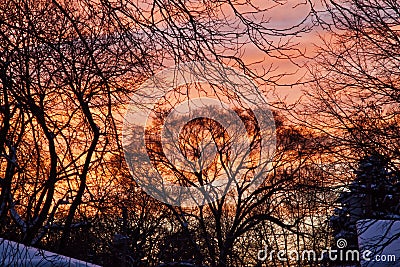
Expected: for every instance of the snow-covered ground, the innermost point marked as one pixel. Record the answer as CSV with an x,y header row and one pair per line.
x,y
16,254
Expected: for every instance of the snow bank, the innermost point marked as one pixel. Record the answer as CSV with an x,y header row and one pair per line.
x,y
16,254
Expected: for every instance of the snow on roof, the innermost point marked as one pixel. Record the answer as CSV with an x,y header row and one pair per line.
x,y
382,239
16,254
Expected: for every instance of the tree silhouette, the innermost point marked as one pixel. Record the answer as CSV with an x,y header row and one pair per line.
x,y
374,194
67,72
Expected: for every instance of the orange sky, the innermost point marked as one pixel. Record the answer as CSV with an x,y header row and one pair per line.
x,y
286,15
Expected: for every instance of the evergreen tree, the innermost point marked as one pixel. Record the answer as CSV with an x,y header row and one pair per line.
x,y
374,194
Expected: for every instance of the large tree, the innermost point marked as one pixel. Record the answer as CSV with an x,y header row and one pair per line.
x,y
353,103
67,68
354,96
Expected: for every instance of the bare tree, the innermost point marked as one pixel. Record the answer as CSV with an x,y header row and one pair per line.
x,y
68,68
356,77
353,100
